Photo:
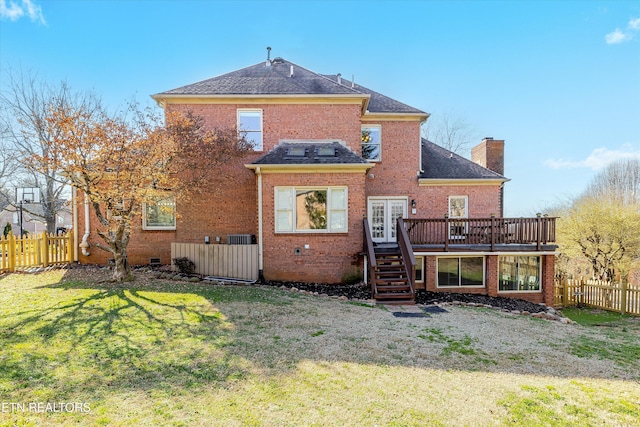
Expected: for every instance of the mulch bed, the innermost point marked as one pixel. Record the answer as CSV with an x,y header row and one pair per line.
x,y
363,292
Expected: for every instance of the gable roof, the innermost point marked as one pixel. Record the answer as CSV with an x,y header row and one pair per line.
x,y
439,164
284,78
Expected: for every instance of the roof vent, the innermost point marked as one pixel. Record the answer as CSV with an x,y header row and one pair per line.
x,y
291,71
277,60
339,78
268,63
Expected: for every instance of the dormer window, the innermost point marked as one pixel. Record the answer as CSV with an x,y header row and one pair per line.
x,y
326,152
296,151
371,143
250,127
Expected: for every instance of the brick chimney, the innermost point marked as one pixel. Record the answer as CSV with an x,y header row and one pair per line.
x,y
489,154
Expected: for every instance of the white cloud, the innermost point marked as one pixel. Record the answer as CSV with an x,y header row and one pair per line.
x,y
598,159
16,10
616,37
619,36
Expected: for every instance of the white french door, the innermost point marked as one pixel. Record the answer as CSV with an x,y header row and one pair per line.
x,y
383,213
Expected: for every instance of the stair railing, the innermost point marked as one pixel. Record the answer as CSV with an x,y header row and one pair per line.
x,y
407,253
371,255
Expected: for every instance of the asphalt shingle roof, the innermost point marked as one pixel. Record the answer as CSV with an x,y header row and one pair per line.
x,y
440,163
276,79
281,154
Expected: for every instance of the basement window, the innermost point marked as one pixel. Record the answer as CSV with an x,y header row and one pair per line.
x,y
460,272
519,273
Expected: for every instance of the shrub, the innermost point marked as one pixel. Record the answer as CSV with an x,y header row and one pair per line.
x,y
185,265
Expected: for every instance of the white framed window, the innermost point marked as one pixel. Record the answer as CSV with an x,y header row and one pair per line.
x,y
519,273
250,126
419,269
311,209
460,272
372,143
458,209
159,215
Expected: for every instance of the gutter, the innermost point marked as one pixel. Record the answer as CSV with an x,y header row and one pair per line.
x,y
260,245
87,228
74,197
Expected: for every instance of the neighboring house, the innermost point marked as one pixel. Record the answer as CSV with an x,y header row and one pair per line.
x,y
33,221
335,165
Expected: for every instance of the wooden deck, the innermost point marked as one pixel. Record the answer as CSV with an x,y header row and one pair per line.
x,y
391,270
494,233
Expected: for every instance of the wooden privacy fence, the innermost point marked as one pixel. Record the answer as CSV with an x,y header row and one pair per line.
x,y
34,251
623,298
231,261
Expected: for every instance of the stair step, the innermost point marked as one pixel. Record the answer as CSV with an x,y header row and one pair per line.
x,y
393,280
390,272
398,302
389,288
394,297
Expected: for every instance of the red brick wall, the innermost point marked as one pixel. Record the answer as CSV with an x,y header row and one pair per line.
x,y
433,202
396,174
330,256
289,121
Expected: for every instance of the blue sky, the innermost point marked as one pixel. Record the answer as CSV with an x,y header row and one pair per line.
x,y
559,81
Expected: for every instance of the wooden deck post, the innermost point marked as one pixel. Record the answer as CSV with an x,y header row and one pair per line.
x,y
446,232
493,232
539,232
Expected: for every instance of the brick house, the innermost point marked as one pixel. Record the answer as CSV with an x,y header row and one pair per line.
x,y
341,184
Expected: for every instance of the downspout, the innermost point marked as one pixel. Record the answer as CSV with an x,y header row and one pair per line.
x,y
87,228
260,258
74,197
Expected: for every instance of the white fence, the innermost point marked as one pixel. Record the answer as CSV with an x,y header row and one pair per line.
x,y
232,261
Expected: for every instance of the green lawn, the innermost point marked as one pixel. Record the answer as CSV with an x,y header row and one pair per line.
x,y
155,352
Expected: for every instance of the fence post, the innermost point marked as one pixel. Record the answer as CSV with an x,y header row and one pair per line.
x,y
12,252
623,298
44,246
565,292
70,248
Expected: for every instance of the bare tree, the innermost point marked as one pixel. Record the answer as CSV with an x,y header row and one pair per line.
x,y
602,226
450,131
618,182
125,162
26,103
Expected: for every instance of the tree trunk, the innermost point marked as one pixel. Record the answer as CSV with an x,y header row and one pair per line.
x,y
121,267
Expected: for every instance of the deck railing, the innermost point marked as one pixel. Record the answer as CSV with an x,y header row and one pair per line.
x,y
367,245
404,244
481,231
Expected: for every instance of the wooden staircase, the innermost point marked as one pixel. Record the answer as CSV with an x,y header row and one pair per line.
x,y
390,284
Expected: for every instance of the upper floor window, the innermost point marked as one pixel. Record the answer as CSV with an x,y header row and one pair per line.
x,y
311,209
159,215
250,126
372,143
458,207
